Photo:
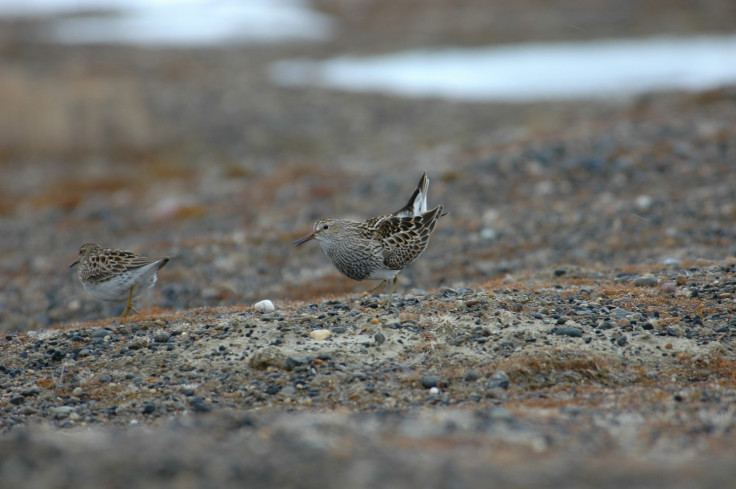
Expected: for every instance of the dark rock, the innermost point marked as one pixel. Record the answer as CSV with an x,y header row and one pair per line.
x,y
198,406
429,381
568,331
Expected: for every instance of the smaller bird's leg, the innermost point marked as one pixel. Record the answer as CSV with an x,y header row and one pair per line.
x,y
393,289
129,306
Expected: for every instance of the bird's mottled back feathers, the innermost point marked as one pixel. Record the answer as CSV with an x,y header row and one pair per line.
x,y
405,238
104,263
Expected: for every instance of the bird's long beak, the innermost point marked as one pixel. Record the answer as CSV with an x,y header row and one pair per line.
x,y
70,266
303,240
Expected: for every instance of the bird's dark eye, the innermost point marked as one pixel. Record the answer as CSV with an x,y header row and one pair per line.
x,y
325,226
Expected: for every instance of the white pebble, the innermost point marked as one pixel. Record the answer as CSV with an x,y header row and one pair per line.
x,y
264,306
434,390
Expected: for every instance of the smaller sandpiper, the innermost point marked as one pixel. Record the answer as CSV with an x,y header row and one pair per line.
x,y
116,275
380,247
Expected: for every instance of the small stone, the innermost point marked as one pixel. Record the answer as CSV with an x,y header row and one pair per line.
x,y
100,333
30,391
105,379
17,400
269,356
434,391
471,376
681,280
568,331
161,337
61,412
198,405
78,391
621,341
320,334
668,288
429,381
380,339
623,322
264,306
499,379
645,282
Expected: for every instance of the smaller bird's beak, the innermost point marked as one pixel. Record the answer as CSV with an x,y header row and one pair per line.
x,y
70,266
303,240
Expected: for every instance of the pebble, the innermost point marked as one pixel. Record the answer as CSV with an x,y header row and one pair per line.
x,y
161,337
380,339
100,333
646,281
320,334
471,376
568,331
61,412
269,356
30,391
264,306
499,379
668,288
429,381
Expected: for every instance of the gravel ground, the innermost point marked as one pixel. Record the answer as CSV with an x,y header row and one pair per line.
x,y
571,324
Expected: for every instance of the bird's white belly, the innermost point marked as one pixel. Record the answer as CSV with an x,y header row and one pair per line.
x,y
382,274
118,287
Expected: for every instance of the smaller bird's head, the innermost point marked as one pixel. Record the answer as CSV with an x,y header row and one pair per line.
x,y
323,229
85,250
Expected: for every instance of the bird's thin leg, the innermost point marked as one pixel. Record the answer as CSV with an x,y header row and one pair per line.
x,y
129,306
381,284
393,289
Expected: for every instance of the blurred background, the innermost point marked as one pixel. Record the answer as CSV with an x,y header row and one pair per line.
x,y
558,134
